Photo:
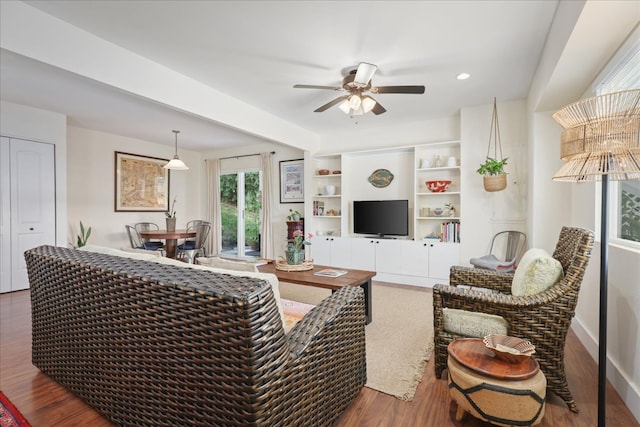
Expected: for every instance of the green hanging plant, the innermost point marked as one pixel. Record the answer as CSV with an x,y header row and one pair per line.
x,y
492,166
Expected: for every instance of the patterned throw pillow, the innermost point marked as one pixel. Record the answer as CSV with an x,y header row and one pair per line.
x,y
537,272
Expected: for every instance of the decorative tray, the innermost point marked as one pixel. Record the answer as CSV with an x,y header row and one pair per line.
x,y
306,265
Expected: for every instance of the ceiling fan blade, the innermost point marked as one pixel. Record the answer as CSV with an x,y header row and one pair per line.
x,y
364,73
398,89
378,109
317,87
330,104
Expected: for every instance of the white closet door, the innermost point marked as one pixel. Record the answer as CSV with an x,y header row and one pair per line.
x,y
5,217
33,215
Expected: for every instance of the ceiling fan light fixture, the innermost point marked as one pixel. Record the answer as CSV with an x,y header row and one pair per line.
x,y
368,103
344,106
176,163
354,102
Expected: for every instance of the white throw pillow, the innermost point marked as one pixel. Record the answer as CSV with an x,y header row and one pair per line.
x,y
536,272
227,264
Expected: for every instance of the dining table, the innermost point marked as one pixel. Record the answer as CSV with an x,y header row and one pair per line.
x,y
170,238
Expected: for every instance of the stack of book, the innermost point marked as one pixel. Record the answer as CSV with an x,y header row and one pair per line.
x,y
318,208
450,231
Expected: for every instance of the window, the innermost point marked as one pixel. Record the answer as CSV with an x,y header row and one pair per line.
x,y
623,73
240,196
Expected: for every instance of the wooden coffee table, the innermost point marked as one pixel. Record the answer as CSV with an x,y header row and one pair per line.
x,y
360,278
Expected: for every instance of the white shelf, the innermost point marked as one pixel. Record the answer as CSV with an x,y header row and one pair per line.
x,y
444,193
331,175
327,216
443,168
327,196
441,218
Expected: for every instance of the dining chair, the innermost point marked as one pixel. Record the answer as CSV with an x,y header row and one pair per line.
x,y
134,238
507,247
193,248
149,244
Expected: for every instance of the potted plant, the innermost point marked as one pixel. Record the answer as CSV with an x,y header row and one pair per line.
x,y
494,176
171,216
83,236
293,215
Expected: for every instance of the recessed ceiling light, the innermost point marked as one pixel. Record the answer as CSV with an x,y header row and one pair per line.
x,y
463,76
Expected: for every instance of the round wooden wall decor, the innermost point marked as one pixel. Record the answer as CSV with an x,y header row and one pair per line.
x,y
381,178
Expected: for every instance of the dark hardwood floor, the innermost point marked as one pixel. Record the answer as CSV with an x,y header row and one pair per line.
x,y
44,403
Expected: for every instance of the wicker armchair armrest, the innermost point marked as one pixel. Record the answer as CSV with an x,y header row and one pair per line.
x,y
326,366
343,310
446,296
481,278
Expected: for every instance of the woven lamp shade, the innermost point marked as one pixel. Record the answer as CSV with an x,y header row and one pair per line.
x,y
601,136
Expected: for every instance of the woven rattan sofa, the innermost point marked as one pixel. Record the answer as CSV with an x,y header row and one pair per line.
x,y
148,344
544,318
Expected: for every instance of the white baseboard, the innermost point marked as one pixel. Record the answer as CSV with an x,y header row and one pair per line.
x,y
627,390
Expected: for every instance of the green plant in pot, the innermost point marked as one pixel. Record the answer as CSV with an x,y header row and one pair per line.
x,y
294,215
494,176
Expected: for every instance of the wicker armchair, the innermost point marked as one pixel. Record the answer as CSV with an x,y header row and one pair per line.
x,y
148,344
544,318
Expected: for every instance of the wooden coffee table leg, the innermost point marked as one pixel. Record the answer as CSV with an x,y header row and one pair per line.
x,y
366,287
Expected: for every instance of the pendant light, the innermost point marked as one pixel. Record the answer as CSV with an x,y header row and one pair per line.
x,y
176,163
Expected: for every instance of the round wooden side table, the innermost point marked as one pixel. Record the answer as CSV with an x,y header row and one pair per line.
x,y
493,390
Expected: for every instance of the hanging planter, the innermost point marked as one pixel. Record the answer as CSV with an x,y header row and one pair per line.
x,y
494,176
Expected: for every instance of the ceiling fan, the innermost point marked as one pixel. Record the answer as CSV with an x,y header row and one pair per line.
x,y
356,84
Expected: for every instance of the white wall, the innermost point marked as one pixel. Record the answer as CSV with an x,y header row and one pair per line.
x,y
20,121
91,170
486,213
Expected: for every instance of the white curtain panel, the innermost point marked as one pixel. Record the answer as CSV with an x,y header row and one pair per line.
x,y
214,243
266,240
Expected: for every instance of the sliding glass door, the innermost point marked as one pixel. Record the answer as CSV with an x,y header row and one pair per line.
x,y
240,195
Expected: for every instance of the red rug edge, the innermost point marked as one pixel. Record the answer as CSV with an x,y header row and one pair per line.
x,y
17,415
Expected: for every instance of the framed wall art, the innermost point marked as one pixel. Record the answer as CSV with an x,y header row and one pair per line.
x,y
141,183
292,181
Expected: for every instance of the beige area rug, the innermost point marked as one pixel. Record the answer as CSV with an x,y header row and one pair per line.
x,y
399,339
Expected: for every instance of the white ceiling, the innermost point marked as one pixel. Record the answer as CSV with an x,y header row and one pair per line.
x,y
255,51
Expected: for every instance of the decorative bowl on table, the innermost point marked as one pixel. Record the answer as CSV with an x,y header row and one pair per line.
x,y
509,349
438,186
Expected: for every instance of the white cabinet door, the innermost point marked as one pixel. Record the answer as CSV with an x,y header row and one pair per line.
x,y
415,259
363,254
33,214
388,256
331,250
321,250
5,217
341,252
441,257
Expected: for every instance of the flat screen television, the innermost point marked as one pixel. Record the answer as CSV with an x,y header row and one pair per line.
x,y
381,217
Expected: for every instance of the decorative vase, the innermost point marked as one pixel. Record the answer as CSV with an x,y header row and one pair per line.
x,y
171,224
294,257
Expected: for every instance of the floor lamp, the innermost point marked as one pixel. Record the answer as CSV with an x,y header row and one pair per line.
x,y
601,142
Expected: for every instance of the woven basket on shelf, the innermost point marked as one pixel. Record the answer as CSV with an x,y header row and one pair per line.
x,y
495,182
